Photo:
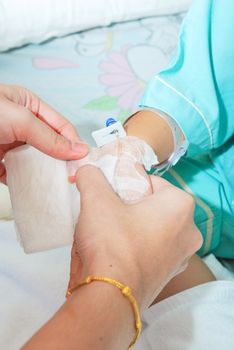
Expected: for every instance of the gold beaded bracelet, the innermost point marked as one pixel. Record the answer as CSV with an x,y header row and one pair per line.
x,y
126,291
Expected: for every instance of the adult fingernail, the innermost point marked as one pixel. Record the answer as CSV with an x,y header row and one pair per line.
x,y
80,147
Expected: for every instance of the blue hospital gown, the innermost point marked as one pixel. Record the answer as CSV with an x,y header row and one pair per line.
x,y
197,90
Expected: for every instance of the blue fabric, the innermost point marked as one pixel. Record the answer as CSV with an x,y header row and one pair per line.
x,y
197,90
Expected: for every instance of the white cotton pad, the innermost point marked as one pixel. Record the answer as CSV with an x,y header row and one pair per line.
x,y
45,205
5,203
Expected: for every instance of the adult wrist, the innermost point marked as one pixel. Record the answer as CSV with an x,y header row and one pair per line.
x,y
123,270
102,301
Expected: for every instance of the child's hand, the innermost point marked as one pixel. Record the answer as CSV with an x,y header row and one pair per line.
x,y
123,162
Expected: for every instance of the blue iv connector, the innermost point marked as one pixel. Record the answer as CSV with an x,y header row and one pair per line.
x,y
110,121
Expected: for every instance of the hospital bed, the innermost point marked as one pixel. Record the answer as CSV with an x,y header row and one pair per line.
x,y
91,70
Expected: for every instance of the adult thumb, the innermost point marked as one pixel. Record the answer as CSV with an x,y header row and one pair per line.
x,y
93,186
159,183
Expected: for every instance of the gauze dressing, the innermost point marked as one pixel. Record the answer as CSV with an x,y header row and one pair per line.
x,y
46,206
120,162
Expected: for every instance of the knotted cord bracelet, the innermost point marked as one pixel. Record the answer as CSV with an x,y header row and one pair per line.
x,y
126,291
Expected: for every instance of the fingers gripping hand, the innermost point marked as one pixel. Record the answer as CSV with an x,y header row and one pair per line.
x,y
143,244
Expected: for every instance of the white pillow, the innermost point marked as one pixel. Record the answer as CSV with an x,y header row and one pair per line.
x,y
33,21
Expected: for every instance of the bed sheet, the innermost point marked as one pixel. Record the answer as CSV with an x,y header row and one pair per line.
x,y
91,75
88,77
33,287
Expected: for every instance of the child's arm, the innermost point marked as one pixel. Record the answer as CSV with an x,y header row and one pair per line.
x,y
154,130
196,273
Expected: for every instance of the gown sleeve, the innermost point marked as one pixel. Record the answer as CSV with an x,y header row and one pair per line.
x,y
197,89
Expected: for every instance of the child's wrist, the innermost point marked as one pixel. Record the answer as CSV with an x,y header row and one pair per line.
x,y
154,130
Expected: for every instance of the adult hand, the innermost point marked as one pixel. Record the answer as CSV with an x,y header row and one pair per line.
x,y
24,118
142,245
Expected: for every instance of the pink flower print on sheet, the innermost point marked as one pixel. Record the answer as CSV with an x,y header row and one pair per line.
x,y
125,75
121,81
52,63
